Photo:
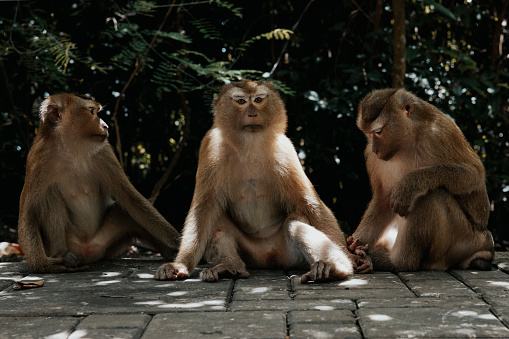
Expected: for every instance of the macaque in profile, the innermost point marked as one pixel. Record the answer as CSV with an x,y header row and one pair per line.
x,y
430,207
77,205
253,205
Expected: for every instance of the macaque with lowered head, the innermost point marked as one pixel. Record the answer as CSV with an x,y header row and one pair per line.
x,y
253,205
430,207
77,205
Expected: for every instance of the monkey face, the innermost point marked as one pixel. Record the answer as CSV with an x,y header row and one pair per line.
x,y
381,143
74,115
97,129
250,107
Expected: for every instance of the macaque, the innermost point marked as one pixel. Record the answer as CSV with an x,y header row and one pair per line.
x,y
430,207
253,205
77,205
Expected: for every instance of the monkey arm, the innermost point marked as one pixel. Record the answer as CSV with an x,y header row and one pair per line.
x,y
30,226
201,220
135,204
457,179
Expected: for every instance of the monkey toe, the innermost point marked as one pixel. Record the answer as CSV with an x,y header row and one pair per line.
x,y
363,266
72,260
480,264
209,275
219,271
352,244
168,271
322,271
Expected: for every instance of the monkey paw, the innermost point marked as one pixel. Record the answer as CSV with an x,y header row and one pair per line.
x,y
400,203
322,271
54,265
223,270
362,261
171,271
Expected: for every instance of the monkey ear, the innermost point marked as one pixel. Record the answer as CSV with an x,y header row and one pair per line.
x,y
52,113
409,107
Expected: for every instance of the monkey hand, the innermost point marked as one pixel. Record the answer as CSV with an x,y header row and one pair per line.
x,y
172,271
233,270
403,196
362,260
322,271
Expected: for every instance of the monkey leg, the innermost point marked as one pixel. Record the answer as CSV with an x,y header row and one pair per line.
x,y
222,252
438,236
328,260
112,238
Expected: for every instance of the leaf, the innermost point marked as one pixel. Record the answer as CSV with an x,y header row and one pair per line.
x,y
207,29
278,33
171,35
237,11
29,282
442,9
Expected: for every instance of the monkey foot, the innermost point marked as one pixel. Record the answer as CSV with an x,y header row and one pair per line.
x,y
222,270
56,265
362,260
323,271
171,271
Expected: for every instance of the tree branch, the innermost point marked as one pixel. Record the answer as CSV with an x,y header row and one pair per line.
x,y
285,46
134,73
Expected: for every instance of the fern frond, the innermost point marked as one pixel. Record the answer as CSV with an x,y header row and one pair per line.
x,y
237,11
171,35
278,34
61,48
207,29
142,7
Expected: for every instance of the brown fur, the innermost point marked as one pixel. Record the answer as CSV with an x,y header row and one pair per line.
x,y
77,205
253,204
426,180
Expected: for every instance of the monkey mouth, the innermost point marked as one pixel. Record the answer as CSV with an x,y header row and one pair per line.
x,y
100,136
252,128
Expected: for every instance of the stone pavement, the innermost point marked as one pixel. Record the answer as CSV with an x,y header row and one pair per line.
x,y
121,299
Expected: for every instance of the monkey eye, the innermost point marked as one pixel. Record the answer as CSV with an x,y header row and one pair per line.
x,y
258,100
92,110
378,131
241,101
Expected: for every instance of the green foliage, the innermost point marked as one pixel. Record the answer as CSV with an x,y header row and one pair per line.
x,y
163,63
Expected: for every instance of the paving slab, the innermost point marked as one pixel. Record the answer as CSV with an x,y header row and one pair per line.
x,y
469,322
121,299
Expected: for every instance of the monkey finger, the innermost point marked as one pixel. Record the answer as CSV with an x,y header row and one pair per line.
x,y
305,278
361,251
167,272
363,269
353,245
242,274
209,275
317,270
364,266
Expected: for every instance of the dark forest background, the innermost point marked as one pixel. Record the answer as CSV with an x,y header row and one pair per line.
x,y
156,65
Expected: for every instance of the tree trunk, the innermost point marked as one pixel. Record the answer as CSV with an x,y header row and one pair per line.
x,y
399,44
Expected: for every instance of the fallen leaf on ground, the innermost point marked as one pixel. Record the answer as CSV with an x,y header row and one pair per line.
x,y
29,282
